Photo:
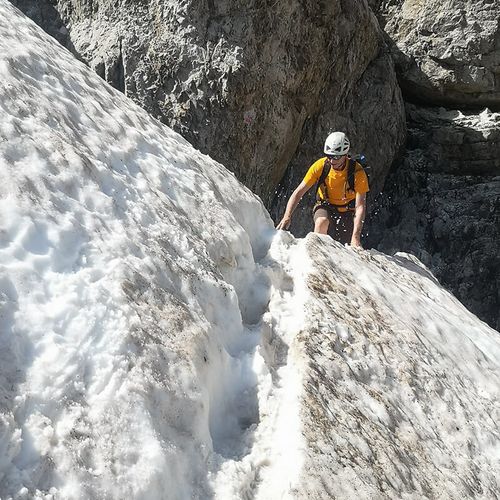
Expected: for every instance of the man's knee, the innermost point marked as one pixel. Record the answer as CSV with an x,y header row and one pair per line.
x,y
321,225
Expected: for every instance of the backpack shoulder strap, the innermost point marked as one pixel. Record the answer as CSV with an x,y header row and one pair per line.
x,y
351,171
322,178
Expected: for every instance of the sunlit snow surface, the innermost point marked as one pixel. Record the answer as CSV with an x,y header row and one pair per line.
x,y
131,294
159,340
403,384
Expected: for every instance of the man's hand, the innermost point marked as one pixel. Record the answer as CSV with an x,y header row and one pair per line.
x,y
285,222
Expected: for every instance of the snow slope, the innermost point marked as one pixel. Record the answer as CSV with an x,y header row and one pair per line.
x,y
133,286
160,340
403,385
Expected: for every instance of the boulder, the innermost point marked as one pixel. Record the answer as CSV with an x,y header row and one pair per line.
x,y
442,204
240,80
447,53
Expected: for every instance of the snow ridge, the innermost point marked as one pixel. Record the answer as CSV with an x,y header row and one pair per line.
x,y
403,391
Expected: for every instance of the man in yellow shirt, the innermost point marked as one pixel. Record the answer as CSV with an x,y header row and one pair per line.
x,y
340,208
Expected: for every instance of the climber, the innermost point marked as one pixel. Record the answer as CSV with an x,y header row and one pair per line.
x,y
341,187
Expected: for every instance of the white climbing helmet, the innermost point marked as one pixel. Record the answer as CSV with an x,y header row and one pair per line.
x,y
337,144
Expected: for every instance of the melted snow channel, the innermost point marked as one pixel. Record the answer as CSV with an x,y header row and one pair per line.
x,y
273,444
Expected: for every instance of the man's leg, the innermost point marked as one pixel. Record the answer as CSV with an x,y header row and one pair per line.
x,y
341,226
345,227
321,221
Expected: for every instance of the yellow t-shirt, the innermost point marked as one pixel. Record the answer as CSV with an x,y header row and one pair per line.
x,y
336,182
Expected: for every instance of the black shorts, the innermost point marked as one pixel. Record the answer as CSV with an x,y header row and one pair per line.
x,y
341,223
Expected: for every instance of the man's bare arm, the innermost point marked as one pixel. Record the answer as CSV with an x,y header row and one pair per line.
x,y
359,219
293,201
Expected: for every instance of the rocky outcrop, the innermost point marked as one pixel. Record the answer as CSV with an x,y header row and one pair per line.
x,y
447,53
443,204
378,135
242,80
441,201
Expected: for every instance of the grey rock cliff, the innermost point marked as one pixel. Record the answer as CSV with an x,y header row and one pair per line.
x,y
442,204
379,136
241,80
442,199
447,52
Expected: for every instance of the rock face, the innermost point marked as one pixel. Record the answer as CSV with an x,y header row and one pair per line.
x,y
443,204
241,80
447,53
442,199
376,134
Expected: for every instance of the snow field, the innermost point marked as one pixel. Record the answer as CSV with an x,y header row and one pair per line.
x,y
405,378
135,287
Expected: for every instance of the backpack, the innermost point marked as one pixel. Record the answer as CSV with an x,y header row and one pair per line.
x,y
351,167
